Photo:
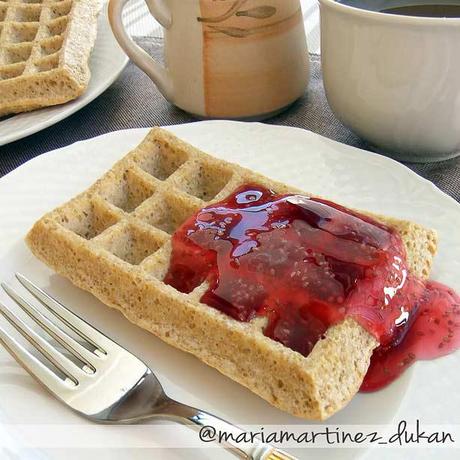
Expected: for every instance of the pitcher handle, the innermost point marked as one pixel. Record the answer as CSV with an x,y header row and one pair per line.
x,y
157,73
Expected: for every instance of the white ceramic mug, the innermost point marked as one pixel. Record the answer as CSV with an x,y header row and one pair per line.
x,y
241,59
393,79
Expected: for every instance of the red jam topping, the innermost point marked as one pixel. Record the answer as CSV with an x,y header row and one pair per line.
x,y
305,264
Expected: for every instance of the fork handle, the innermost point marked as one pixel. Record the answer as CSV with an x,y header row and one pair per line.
x,y
197,419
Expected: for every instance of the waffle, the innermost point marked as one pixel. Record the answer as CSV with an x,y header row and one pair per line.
x,y
44,50
113,240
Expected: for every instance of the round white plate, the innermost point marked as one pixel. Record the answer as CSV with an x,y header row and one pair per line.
x,y
301,158
106,63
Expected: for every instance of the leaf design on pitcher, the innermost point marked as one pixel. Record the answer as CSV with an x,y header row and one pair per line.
x,y
260,12
229,13
238,32
235,32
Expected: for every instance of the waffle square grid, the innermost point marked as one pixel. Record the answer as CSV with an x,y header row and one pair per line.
x,y
132,212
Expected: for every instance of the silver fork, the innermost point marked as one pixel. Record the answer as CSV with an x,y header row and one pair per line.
x,y
111,385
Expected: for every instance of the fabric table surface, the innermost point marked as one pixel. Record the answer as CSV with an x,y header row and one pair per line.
x,y
134,102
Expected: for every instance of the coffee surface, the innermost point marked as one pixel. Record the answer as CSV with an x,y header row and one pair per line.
x,y
420,8
434,10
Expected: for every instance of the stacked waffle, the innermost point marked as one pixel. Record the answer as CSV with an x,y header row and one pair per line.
x,y
44,51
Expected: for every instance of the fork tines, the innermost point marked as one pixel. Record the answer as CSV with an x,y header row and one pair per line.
x,y
72,372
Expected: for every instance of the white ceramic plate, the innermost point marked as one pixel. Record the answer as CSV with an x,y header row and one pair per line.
x,y
301,158
106,63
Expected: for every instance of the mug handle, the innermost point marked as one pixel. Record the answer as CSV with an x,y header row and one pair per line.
x,y
157,73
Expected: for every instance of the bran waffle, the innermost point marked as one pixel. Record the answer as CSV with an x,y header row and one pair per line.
x,y
44,50
113,240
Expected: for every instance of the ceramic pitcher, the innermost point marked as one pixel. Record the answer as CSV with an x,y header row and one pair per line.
x,y
237,59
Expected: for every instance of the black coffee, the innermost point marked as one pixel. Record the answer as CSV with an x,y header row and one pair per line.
x,y
433,11
424,8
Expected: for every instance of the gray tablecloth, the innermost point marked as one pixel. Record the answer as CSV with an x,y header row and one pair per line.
x,y
134,102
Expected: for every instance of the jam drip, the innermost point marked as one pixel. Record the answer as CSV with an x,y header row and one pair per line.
x,y
431,333
305,264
